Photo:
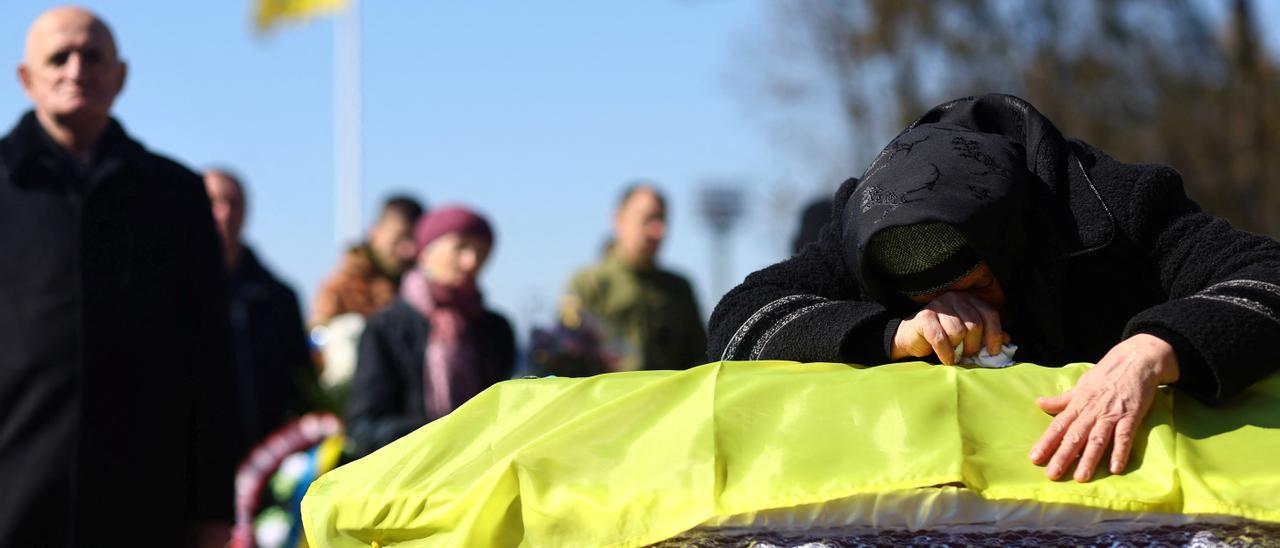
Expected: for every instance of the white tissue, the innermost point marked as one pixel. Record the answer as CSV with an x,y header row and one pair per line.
x,y
985,359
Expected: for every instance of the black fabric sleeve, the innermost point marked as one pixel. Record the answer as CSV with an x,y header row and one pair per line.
x,y
807,308
375,414
1223,285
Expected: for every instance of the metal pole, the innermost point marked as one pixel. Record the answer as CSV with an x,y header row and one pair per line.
x,y
721,263
347,166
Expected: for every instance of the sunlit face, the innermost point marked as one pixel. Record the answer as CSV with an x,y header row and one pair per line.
x,y
391,239
455,259
980,283
228,205
71,71
640,225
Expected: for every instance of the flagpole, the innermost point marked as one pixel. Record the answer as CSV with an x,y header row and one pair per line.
x,y
347,192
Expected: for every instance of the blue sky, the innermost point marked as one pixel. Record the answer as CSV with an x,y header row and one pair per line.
x,y
537,113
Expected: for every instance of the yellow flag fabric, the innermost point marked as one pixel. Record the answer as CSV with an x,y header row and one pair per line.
x,y
271,12
629,459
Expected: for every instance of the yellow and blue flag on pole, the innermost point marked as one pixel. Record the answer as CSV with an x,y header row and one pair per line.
x,y
269,13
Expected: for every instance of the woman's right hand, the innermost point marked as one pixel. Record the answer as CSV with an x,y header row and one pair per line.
x,y
944,323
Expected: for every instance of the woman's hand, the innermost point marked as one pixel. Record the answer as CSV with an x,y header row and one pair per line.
x,y
1105,408
944,323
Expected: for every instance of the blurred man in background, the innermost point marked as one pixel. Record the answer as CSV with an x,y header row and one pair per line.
x,y
273,370
368,277
115,388
814,216
649,315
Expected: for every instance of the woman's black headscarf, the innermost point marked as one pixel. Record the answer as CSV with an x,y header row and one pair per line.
x,y
985,166
976,182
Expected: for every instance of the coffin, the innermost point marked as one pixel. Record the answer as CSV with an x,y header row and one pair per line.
x,y
785,450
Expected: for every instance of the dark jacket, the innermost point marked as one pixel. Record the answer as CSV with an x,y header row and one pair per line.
x,y
812,219
274,373
115,388
1089,250
386,397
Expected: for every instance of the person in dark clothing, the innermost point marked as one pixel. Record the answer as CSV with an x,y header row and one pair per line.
x,y
812,219
436,346
275,378
115,384
980,224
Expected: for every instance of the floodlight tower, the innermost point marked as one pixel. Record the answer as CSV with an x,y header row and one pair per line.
x,y
721,206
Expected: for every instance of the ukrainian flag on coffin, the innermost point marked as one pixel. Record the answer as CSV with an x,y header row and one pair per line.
x,y
629,459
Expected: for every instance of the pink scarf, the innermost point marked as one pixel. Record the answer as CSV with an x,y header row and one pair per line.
x,y
451,368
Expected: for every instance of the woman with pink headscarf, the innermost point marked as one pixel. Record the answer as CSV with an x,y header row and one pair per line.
x,y
437,345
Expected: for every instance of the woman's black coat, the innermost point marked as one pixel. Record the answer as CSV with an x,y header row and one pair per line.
x,y
1107,250
386,396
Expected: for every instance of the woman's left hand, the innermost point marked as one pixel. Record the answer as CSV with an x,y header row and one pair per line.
x,y
1106,407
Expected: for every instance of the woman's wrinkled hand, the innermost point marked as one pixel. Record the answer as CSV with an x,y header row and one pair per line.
x,y
944,323
1105,408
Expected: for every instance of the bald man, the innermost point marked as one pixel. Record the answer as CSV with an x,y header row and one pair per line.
x,y
115,383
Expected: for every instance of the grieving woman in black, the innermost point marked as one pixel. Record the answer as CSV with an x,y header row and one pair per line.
x,y
979,225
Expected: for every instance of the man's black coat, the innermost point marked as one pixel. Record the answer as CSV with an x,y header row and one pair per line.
x,y
273,369
115,385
